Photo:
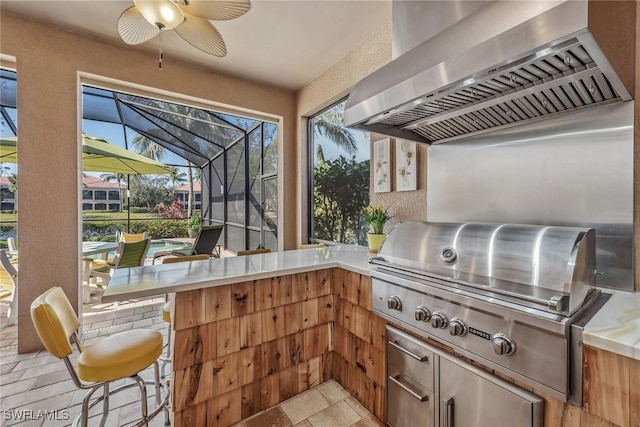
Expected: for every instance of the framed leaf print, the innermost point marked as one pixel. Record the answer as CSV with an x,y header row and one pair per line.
x,y
382,166
406,166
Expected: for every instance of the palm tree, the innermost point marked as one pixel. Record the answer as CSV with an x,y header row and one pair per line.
x,y
118,178
176,177
330,125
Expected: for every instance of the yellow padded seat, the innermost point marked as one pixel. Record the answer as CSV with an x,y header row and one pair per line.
x,y
120,355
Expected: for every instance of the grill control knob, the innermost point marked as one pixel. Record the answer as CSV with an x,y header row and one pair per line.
x,y
457,327
394,303
439,320
422,314
503,345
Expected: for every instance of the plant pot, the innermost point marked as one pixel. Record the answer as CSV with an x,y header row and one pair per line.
x,y
375,241
193,232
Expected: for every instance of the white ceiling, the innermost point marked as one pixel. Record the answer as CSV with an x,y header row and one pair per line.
x,y
283,43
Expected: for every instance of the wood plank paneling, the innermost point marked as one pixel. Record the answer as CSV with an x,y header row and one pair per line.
x,y
250,330
242,298
191,309
606,385
195,345
225,409
227,336
217,302
264,294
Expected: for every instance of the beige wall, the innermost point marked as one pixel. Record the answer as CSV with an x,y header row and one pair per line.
x,y
49,61
334,84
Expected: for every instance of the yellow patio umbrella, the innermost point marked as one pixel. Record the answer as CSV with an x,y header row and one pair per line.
x,y
97,156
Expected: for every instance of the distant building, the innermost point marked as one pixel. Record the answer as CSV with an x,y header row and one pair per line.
x,y
7,198
98,195
182,193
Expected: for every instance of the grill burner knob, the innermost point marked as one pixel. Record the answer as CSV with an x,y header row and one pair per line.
x,y
422,314
439,320
394,303
503,345
457,327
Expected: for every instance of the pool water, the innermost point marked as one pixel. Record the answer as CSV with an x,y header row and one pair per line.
x,y
167,245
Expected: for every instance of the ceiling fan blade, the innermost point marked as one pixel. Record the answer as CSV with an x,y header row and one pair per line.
x,y
202,35
215,10
133,28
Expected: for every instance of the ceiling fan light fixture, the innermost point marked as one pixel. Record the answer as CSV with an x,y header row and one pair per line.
x,y
163,14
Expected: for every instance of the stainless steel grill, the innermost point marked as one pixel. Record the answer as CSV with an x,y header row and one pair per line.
x,y
506,295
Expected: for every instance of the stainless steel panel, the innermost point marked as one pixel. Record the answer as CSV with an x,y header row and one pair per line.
x,y
529,52
409,358
417,21
540,359
471,397
404,410
570,171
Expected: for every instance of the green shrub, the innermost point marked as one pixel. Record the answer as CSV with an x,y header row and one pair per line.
x,y
161,229
141,209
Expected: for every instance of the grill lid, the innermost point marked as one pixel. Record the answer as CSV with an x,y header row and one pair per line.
x,y
547,267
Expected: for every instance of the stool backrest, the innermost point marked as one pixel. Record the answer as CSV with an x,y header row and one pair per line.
x,y
253,252
132,237
185,258
55,321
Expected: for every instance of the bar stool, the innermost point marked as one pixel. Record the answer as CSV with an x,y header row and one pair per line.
x,y
168,306
118,356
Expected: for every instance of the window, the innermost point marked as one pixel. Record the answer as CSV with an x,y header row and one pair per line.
x,y
100,195
100,206
339,178
87,207
87,194
114,195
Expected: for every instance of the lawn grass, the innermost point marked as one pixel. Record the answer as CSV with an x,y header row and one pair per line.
x,y
94,216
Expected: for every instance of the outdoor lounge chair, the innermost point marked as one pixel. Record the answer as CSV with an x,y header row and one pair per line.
x,y
9,286
205,243
127,255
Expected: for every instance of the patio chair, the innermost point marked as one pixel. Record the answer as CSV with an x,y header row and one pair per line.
x,y
12,243
116,357
168,305
205,243
127,255
9,286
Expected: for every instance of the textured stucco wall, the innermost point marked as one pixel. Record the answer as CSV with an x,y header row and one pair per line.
x,y
48,62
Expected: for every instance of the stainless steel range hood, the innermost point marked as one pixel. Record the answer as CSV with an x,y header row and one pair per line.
x,y
508,63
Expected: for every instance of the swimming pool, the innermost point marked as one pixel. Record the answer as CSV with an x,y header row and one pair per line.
x,y
167,245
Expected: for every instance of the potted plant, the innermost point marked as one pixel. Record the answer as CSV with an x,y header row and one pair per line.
x,y
376,218
193,225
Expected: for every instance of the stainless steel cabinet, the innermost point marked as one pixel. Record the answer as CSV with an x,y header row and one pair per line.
x,y
429,387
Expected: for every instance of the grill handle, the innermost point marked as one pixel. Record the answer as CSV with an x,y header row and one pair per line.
x,y
419,358
414,394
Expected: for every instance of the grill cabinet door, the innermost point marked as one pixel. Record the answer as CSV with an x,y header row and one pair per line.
x,y
478,399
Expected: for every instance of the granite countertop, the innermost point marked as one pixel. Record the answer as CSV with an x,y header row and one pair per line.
x,y
161,279
615,328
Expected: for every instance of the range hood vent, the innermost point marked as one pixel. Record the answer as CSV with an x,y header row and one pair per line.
x,y
442,103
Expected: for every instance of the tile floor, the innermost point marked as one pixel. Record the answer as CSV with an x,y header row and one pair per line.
x,y
36,385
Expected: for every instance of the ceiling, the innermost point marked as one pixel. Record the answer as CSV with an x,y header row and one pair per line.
x,y
282,43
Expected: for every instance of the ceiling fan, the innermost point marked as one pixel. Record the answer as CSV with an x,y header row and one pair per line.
x,y
190,19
